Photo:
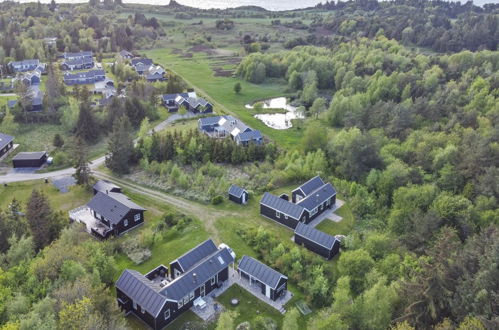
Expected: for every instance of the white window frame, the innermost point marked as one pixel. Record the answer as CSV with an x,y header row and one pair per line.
x,y
186,300
167,314
136,217
125,223
285,217
191,295
180,303
212,280
278,214
134,305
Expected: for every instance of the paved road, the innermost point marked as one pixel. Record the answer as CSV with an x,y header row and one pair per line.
x,y
18,176
15,176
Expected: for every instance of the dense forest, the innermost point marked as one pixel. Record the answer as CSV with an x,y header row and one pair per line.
x,y
416,138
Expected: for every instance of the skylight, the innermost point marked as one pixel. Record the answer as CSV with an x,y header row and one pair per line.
x,y
220,260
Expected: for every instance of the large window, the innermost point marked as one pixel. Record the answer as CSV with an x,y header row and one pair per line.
x,y
136,217
167,314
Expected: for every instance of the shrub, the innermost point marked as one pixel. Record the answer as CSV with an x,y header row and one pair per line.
x,y
217,200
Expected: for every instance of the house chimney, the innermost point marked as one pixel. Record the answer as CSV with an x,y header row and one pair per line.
x,y
317,198
194,275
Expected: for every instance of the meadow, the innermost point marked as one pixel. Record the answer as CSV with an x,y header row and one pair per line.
x,y
198,73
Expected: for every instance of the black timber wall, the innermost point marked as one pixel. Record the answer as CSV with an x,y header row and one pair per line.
x,y
314,247
271,214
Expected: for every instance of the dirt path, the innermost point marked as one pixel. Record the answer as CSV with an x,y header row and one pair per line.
x,y
207,215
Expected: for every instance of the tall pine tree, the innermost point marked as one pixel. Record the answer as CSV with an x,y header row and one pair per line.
x,y
39,215
86,126
120,146
82,173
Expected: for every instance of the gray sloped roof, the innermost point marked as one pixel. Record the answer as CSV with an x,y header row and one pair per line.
x,y
168,97
202,272
105,186
29,155
311,185
213,120
315,235
281,205
196,254
79,54
141,290
260,271
5,139
25,62
318,197
113,206
250,136
235,190
142,61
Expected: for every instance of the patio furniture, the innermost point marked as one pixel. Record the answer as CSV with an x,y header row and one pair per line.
x,y
199,302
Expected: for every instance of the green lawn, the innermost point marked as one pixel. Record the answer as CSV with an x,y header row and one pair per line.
x,y
60,201
198,73
339,228
249,307
166,248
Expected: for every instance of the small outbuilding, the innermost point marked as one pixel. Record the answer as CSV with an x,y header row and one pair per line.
x,y
238,195
105,187
273,284
316,241
6,143
29,159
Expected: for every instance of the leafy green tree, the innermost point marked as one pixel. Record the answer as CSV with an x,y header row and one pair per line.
x,y
120,147
318,107
290,321
355,264
20,250
315,137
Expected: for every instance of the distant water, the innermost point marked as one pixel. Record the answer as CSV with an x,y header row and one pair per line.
x,y
274,5
221,4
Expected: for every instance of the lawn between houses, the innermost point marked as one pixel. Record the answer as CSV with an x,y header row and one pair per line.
x,y
198,73
172,244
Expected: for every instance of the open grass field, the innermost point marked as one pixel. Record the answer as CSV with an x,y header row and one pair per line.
x,y
198,73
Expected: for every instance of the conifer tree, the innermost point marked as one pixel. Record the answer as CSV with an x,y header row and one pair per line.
x,y
39,214
86,126
82,173
120,146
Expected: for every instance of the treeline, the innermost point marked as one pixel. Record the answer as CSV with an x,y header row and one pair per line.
x,y
411,143
440,25
22,31
192,146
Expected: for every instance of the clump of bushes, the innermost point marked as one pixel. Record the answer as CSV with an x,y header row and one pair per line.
x,y
217,200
